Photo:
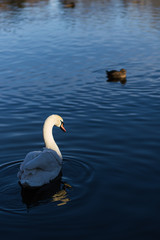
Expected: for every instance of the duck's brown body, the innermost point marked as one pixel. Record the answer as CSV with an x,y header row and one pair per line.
x,y
116,75
68,4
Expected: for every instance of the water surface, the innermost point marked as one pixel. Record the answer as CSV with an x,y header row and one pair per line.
x,y
54,60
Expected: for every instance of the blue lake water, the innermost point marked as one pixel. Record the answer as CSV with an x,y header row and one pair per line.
x,y
53,60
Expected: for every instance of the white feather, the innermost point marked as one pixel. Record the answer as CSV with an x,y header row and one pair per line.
x,y
40,167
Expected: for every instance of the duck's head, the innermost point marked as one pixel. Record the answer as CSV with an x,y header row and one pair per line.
x,y
123,71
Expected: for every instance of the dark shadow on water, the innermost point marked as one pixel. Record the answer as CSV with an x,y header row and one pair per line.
x,y
55,191
15,4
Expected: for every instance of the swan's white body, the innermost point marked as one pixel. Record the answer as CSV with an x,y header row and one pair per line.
x,y
40,167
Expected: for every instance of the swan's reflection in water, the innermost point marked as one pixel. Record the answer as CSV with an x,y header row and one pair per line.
x,y
61,197
56,191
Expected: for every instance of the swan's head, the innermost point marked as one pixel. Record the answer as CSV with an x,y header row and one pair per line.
x,y
59,122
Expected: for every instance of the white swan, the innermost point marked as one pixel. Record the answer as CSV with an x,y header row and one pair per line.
x,y
40,167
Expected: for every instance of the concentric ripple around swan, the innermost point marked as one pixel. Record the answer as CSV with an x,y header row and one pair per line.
x,y
10,200
79,174
73,186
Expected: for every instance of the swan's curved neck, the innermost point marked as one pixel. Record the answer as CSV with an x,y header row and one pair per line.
x,y
48,136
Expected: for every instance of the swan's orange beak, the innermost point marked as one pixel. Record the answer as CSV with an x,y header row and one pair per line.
x,y
62,127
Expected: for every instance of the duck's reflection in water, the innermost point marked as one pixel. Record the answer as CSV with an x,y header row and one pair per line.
x,y
55,191
122,81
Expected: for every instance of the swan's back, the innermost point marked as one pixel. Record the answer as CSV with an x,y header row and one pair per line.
x,y
39,168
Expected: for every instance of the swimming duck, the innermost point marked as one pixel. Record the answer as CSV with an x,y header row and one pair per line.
x,y
69,4
116,75
40,167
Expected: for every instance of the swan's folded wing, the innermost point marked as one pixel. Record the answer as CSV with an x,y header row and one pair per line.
x,y
46,160
29,157
32,155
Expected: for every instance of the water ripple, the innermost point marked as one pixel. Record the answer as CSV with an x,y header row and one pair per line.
x,y
76,175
